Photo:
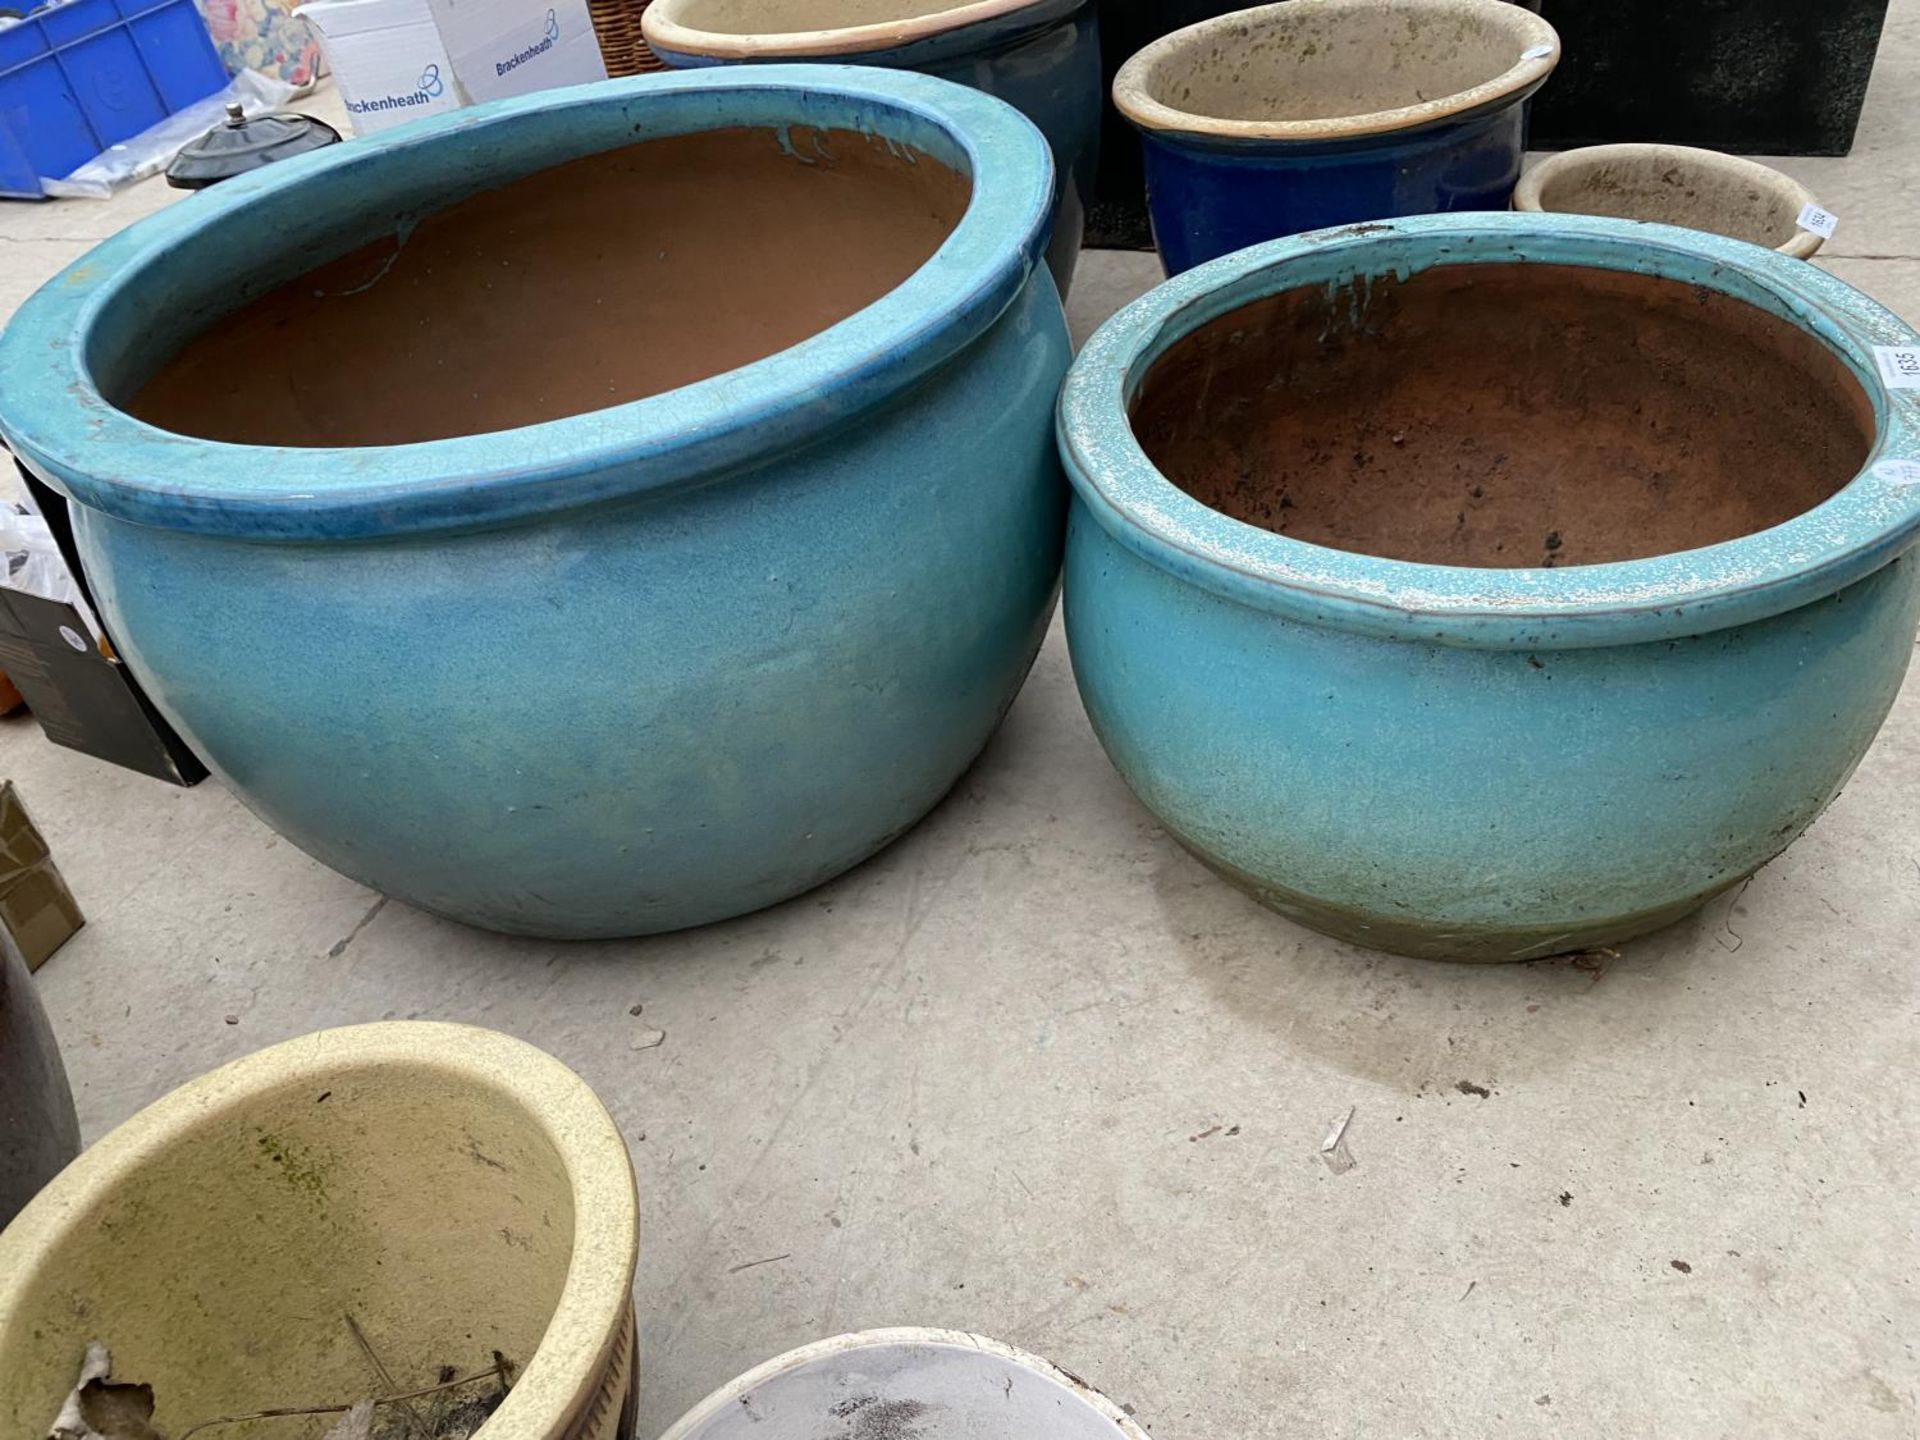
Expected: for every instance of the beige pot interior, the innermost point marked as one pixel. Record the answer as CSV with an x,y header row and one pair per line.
x,y
1311,62
218,1241
774,17
1505,416
1674,185
770,28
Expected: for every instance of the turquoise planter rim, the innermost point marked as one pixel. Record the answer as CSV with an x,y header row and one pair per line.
x,y
1863,526
54,417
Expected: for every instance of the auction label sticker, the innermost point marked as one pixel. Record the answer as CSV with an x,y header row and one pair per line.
x,y
1899,472
1899,365
1820,222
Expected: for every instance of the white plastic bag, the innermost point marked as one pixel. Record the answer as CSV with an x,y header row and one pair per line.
x,y
31,563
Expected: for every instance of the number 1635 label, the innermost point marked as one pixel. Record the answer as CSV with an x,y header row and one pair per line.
x,y
1899,365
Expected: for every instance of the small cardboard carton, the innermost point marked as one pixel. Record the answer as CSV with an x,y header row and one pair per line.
x,y
387,58
501,48
37,911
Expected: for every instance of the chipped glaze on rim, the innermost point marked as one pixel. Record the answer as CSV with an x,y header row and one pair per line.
x,y
1536,52
55,418
1866,524
1785,191
665,31
732,1395
595,1298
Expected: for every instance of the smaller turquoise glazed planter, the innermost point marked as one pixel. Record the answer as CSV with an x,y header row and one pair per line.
x,y
1492,587
659,511
1040,56
1311,113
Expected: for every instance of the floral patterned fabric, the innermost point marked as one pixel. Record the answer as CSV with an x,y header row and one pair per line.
x,y
263,35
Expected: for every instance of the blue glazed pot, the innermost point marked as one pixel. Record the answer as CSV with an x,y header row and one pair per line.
x,y
1312,113
1516,647
625,670
1040,56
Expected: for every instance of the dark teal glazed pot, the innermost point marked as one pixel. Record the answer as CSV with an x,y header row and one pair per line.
x,y
39,1133
1040,56
1490,587
619,670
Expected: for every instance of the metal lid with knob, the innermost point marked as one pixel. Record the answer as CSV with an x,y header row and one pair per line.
x,y
244,144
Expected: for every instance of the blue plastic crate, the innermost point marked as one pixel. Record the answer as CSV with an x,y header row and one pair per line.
x,y
80,76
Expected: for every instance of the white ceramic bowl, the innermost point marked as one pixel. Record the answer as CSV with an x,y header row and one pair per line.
x,y
906,1385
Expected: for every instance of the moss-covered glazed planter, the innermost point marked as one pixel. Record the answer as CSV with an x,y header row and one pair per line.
x,y
1040,56
1290,117
1491,587
657,516
455,1191
906,1384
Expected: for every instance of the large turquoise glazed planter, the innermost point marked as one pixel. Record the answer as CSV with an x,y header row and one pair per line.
x,y
1041,56
624,670
1492,587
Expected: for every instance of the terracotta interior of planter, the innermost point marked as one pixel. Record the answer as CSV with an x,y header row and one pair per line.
x,y
1310,63
784,17
591,284
221,1272
1673,193
1505,416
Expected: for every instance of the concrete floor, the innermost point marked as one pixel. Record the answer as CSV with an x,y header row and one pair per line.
x,y
1033,1072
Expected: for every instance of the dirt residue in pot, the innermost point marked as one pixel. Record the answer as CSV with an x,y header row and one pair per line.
x,y
868,1417
1505,416
588,285
1323,63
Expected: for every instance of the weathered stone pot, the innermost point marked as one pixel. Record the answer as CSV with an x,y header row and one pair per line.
x,y
1675,185
1041,56
1310,113
39,1132
907,1384
679,521
454,1190
1491,587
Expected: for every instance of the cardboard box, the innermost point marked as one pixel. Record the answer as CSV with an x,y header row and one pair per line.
x,y
515,47
397,60
37,911
387,58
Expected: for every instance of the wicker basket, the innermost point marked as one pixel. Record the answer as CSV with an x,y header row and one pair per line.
x,y
622,46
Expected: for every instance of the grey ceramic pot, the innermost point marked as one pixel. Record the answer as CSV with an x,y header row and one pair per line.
x,y
39,1133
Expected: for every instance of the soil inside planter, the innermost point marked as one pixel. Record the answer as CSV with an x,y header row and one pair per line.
x,y
588,285
1316,64
1504,416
